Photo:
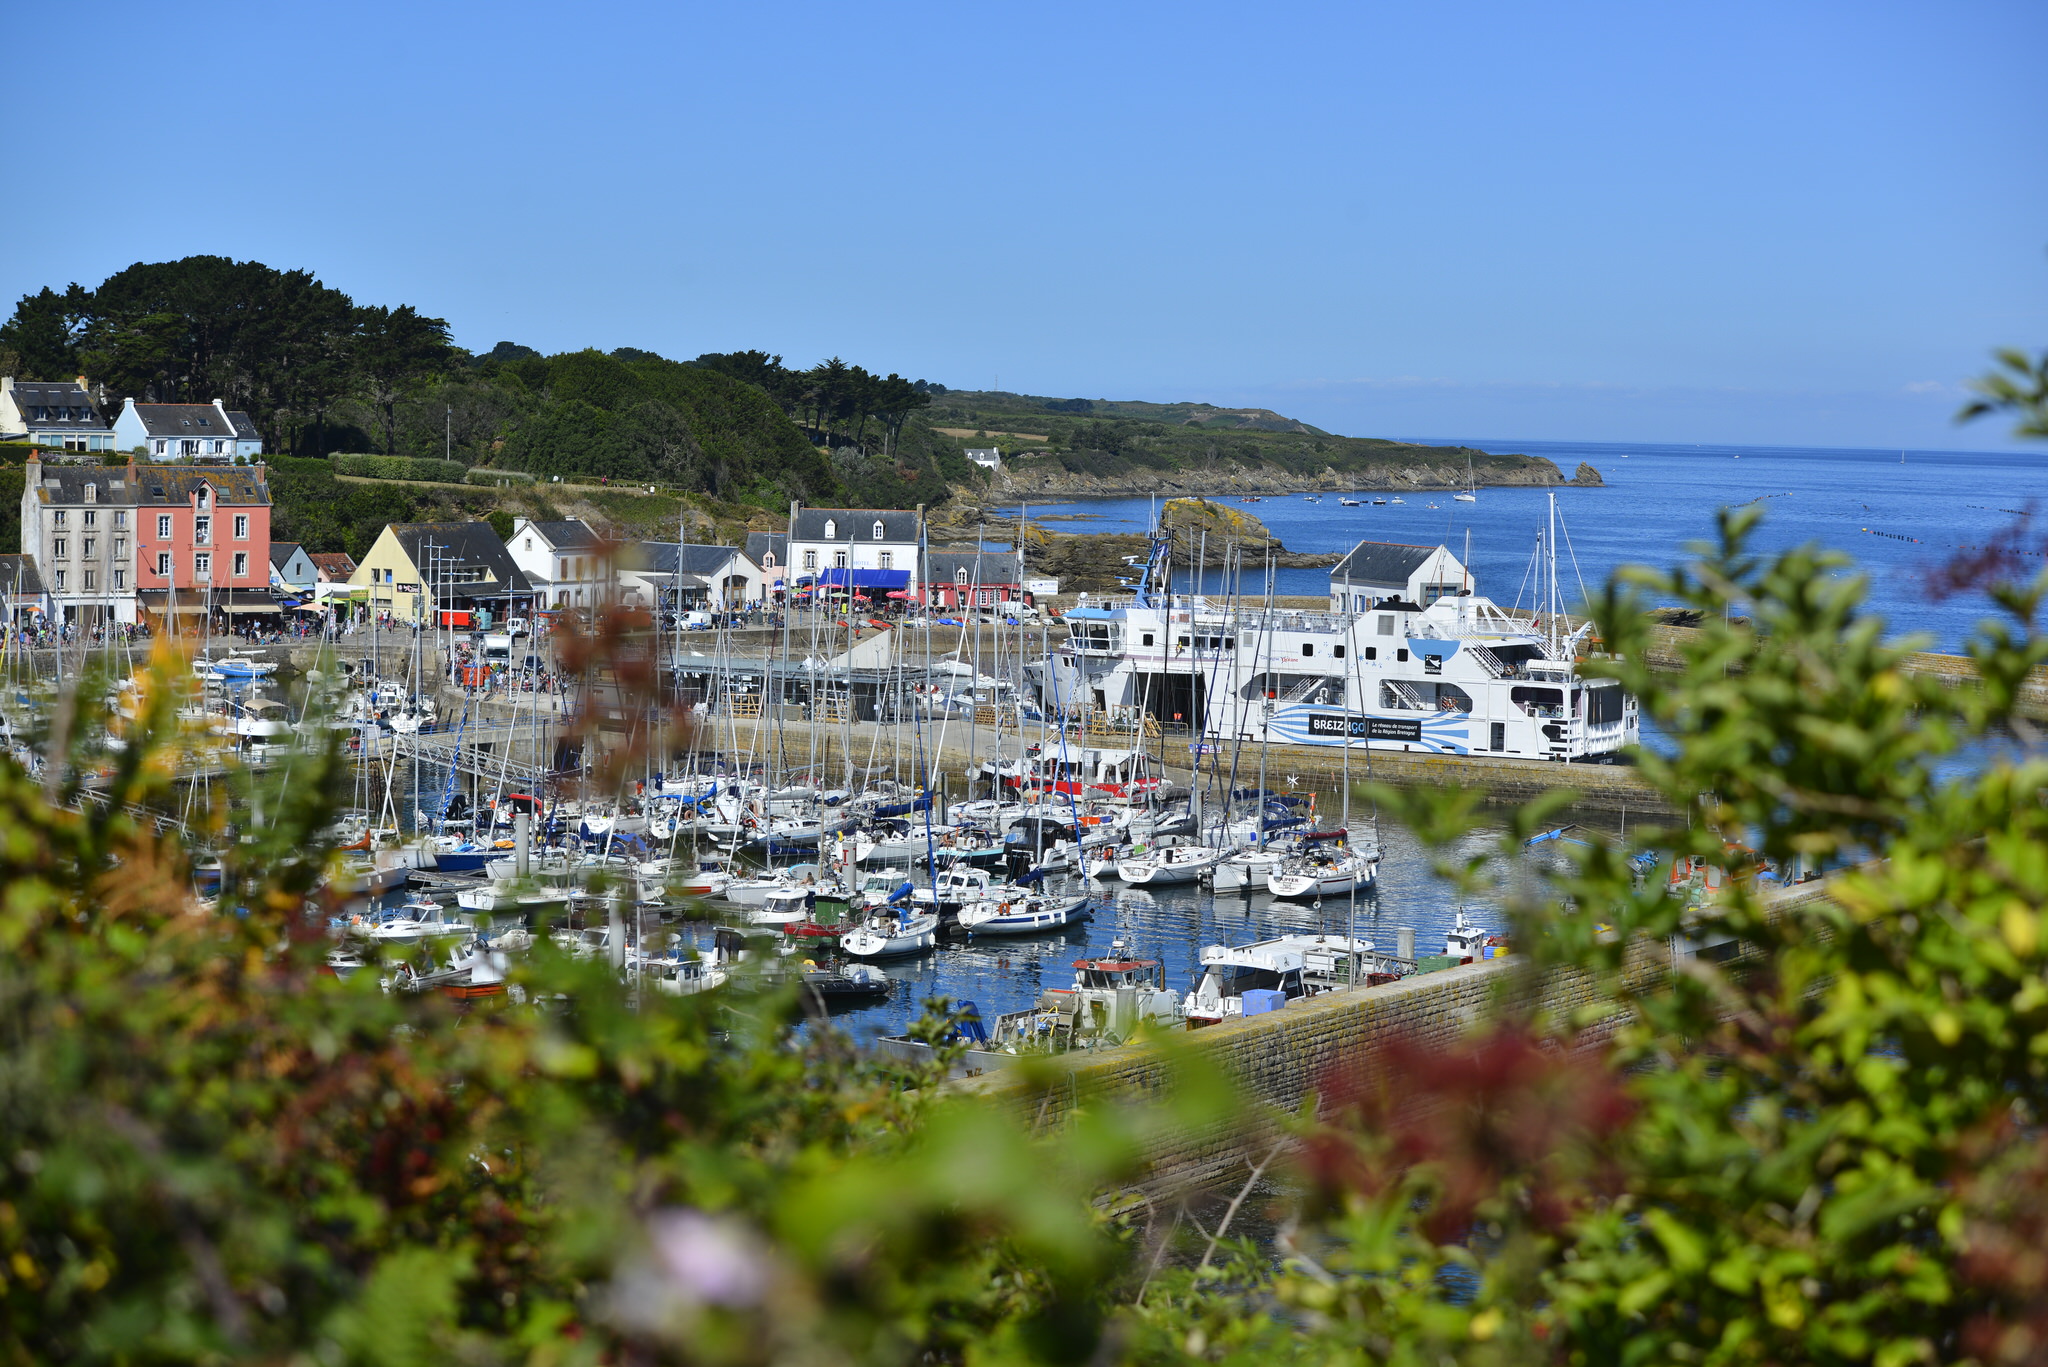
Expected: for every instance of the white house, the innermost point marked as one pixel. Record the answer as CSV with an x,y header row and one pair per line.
x,y
689,576
568,564
987,457
1379,570
291,568
873,550
55,413
185,431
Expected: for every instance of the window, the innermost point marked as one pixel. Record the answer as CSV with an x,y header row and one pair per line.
x,y
768,561
1307,649
92,547
960,577
878,531
1386,624
888,560
61,547
57,519
160,447
202,530
60,581
204,494
120,548
120,580
241,564
163,529
831,529
810,560
92,495
986,598
89,518
1338,651
839,560
120,520
1401,655
202,566
92,580
1147,636
241,528
1372,652
163,563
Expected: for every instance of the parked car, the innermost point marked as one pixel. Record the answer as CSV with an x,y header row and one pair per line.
x,y
515,626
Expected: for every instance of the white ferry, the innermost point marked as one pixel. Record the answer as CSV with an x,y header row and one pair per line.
x,y
1409,657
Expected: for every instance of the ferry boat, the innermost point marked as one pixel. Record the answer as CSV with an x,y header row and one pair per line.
x,y
1409,657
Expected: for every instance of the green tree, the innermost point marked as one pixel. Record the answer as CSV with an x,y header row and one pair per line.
x,y
392,353
44,333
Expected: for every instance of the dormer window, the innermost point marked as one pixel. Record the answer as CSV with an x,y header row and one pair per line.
x,y
959,576
92,493
831,528
203,492
878,530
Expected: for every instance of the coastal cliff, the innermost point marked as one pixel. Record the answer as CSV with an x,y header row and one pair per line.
x,y
1038,475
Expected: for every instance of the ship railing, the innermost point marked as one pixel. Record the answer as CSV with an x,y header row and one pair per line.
x,y
1405,692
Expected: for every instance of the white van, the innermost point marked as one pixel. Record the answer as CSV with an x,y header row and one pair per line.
x,y
498,649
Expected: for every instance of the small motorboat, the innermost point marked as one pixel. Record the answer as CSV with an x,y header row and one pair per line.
x,y
1465,940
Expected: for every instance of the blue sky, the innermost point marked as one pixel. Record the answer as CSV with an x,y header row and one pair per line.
x,y
1780,222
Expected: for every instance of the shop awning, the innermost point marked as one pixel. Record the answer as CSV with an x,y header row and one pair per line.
x,y
159,600
865,579
244,601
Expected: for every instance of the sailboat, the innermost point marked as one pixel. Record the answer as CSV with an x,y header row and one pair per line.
x,y
1470,493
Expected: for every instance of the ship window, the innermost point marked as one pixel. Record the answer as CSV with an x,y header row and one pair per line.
x,y
1338,651
1386,624
1148,638
1307,650
1401,655
1183,643
1372,652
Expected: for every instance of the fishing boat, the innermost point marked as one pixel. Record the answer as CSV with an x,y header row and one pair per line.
x,y
1251,979
1465,940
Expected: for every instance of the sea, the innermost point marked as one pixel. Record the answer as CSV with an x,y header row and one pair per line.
x,y
1896,514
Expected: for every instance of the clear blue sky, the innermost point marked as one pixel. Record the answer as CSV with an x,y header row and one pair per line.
x,y
1769,222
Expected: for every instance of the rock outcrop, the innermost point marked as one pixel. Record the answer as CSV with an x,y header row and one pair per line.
x,y
1588,476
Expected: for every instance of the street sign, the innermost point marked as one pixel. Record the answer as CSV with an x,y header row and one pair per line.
x,y
1204,748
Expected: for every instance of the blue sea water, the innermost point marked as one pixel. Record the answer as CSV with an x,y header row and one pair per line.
x,y
1897,520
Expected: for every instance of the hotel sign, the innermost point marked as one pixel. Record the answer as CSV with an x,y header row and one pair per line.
x,y
1365,728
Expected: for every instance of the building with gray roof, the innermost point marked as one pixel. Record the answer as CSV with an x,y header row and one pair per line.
x,y
1376,571
54,413
186,431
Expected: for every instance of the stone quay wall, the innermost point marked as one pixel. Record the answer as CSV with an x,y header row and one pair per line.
x,y
1281,1062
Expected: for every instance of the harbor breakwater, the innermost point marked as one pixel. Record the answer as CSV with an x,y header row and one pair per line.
x,y
1284,1064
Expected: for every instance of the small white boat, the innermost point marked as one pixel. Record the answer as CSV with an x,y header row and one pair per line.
x,y
680,976
1323,870
1175,864
888,935
1465,940
1279,971
1249,867
1024,916
1350,503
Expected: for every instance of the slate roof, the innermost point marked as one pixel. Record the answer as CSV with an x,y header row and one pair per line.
x,y
855,524
660,557
469,544
1382,564
572,535
67,395
18,574
760,545
64,485
183,420
245,427
983,567
281,552
234,486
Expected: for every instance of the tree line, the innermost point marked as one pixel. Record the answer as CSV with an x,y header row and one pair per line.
x,y
319,372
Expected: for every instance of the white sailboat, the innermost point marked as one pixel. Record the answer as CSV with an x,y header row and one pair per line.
x,y
1470,493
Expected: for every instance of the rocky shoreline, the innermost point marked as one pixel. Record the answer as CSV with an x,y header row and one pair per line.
x,y
1035,477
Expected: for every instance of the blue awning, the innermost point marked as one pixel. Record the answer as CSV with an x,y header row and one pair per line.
x,y
865,579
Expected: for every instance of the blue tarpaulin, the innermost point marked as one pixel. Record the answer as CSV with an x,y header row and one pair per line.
x,y
865,579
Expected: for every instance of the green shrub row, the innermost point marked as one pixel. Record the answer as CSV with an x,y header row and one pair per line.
x,y
398,467
481,475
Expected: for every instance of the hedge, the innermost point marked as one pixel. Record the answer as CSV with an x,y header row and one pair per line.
x,y
398,467
482,476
